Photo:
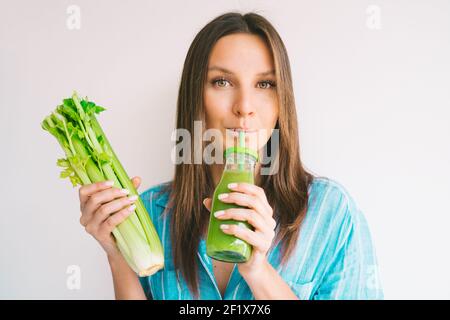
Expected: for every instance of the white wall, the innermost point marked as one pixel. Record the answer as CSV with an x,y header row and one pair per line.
x,y
373,108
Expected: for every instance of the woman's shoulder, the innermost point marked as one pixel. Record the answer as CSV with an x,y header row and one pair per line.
x,y
338,231
158,193
155,200
321,185
332,201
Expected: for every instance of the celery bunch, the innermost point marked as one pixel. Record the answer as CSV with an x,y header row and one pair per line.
x,y
89,159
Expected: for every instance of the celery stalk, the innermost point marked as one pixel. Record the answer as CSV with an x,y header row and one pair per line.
x,y
89,159
123,177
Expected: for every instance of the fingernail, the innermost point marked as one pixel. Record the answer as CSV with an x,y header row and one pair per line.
x,y
223,196
109,183
219,213
132,207
224,227
133,198
125,191
232,185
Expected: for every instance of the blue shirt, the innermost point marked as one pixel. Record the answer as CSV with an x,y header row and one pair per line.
x,y
334,257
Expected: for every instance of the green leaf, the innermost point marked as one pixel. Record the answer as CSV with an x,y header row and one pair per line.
x,y
80,133
75,160
64,163
99,109
66,173
104,157
78,162
84,104
69,112
54,131
90,108
101,140
69,102
66,144
75,180
101,158
58,123
72,129
84,161
45,125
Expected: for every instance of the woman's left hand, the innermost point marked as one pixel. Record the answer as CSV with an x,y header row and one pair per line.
x,y
257,213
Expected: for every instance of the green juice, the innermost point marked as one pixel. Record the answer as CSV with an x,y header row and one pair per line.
x,y
221,246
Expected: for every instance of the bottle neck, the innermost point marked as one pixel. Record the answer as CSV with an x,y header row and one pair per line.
x,y
240,162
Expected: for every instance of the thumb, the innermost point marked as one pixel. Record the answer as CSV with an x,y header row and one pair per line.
x,y
207,203
136,181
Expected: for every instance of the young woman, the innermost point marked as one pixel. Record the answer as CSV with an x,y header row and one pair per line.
x,y
310,240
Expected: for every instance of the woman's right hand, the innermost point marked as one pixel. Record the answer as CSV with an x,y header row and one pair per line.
x,y
103,207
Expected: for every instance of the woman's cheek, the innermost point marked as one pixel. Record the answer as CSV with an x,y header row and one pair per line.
x,y
217,108
271,110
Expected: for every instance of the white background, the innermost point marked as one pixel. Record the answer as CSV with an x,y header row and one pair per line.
x,y
373,108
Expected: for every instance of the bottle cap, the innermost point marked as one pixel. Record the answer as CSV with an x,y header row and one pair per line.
x,y
244,150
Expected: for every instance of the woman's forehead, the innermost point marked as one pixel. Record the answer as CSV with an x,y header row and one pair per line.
x,y
241,53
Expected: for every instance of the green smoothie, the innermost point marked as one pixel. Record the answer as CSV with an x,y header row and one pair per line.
x,y
221,246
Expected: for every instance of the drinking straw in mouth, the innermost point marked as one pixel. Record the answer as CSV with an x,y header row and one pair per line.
x,y
241,145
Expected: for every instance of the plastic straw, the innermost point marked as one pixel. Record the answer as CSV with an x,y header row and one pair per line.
x,y
241,145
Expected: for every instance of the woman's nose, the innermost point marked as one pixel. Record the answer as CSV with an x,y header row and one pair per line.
x,y
244,106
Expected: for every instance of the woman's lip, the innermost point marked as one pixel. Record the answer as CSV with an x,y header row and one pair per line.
x,y
241,129
234,132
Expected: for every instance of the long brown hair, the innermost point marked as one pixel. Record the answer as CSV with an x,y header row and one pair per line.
x,y
286,191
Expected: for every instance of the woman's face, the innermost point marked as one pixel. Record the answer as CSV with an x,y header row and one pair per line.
x,y
240,90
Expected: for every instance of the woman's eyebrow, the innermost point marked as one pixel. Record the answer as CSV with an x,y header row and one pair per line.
x,y
267,73
224,70
215,68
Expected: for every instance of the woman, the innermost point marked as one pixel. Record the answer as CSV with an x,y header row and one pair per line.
x,y
310,241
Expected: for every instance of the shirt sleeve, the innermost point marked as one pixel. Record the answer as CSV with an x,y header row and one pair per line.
x,y
353,272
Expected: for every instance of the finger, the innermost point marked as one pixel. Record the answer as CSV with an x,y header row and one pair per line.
x,y
247,215
99,198
251,237
250,189
109,224
245,200
136,182
110,208
207,203
253,190
87,190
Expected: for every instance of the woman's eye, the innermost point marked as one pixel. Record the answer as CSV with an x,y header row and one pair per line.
x,y
221,82
266,84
